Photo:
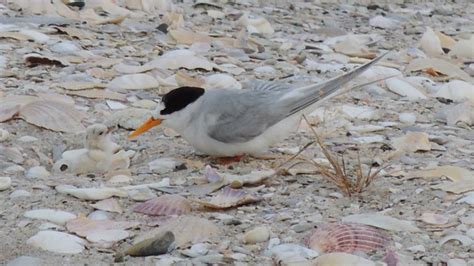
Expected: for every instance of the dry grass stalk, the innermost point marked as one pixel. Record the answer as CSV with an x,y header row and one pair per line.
x,y
337,173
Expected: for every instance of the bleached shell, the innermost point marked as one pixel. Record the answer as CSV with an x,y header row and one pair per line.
x,y
257,235
338,258
347,238
11,154
131,69
463,112
463,49
34,59
381,221
358,112
5,182
84,226
464,240
186,229
55,216
162,165
403,88
36,36
407,118
37,172
383,22
111,236
133,82
110,205
164,205
181,59
230,197
468,198
91,193
285,254
439,65
53,115
434,218
430,43
457,90
221,81
412,142
57,242
256,24
8,111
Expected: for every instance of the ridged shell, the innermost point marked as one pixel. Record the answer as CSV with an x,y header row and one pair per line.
x,y
230,197
164,205
347,237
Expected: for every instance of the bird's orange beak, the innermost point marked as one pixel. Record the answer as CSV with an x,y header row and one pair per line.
x,y
151,122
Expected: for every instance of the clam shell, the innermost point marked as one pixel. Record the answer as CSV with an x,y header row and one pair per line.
x,y
110,205
186,229
164,205
230,197
347,238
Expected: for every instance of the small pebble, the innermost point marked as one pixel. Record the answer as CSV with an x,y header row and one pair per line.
x,y
3,134
5,182
37,172
20,193
456,262
257,235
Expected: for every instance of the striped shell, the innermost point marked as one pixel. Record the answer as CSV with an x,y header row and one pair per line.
x,y
229,197
347,237
164,205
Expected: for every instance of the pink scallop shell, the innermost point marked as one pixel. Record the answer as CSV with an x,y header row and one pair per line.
x,y
347,237
164,205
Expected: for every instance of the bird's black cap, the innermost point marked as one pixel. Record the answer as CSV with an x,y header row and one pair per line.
x,y
179,98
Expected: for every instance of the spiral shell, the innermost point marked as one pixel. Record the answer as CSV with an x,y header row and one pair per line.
x,y
164,205
347,237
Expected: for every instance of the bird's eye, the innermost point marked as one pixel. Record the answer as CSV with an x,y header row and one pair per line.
x,y
101,133
63,167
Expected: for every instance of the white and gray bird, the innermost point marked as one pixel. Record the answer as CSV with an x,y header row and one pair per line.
x,y
224,122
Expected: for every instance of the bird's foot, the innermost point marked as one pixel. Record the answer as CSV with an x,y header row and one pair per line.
x,y
229,160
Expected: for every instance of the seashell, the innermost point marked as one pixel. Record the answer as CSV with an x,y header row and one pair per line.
x,y
381,221
84,226
5,183
55,216
456,90
184,79
181,58
106,238
3,134
354,112
347,238
150,6
211,174
133,82
141,194
160,244
468,198
433,218
460,113
439,66
230,68
257,235
91,193
407,118
230,197
8,111
430,43
110,205
98,94
412,142
383,22
337,259
37,172
256,24
52,115
164,205
113,105
20,193
221,81
292,254
131,69
99,215
11,154
404,88
464,240
163,165
463,49
65,48
456,187
186,229
35,59
353,45
57,242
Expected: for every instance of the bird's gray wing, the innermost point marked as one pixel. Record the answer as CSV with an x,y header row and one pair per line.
x,y
242,117
262,85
